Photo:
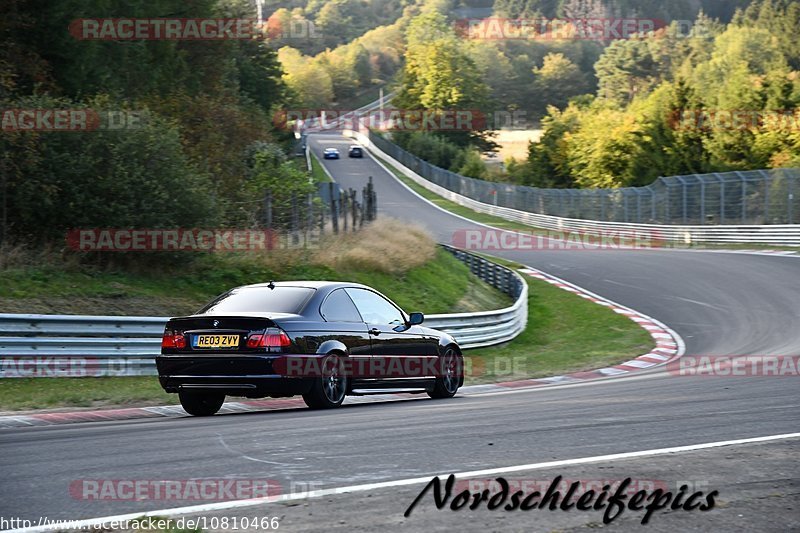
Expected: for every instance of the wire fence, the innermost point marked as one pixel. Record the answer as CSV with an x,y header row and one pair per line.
x,y
754,197
303,218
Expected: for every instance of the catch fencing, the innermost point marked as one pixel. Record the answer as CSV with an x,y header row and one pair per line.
x,y
448,184
757,197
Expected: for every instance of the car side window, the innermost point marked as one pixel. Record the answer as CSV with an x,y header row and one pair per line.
x,y
375,309
338,307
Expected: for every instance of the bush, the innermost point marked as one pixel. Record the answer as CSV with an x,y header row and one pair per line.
x,y
443,153
139,177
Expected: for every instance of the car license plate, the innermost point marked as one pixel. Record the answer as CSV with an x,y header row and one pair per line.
x,y
216,341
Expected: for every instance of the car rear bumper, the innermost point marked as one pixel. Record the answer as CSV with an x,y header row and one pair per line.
x,y
249,376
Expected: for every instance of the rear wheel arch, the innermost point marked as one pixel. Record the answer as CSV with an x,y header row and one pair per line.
x,y
331,346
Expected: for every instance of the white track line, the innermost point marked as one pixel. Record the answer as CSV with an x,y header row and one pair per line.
x,y
221,506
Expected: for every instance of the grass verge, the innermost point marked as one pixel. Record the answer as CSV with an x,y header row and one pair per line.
x,y
565,334
47,393
430,280
317,172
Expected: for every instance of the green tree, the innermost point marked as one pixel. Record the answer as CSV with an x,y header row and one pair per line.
x,y
780,18
746,72
473,166
138,177
309,82
497,71
548,161
558,80
603,153
525,8
358,61
625,70
440,75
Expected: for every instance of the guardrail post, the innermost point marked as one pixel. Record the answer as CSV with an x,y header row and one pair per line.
x,y
685,199
653,196
354,208
744,196
343,209
702,202
295,218
268,209
334,212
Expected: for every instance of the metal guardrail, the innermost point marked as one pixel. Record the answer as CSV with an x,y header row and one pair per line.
x,y
76,346
488,328
777,234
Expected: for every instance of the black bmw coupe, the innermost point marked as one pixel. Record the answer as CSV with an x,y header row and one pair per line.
x,y
322,340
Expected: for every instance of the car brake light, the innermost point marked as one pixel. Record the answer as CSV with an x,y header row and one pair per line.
x,y
173,339
271,338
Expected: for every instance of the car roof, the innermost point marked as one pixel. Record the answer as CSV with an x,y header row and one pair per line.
x,y
305,284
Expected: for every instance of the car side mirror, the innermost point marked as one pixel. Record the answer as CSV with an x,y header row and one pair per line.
x,y
414,319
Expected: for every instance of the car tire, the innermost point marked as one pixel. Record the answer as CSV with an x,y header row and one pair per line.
x,y
448,381
329,389
201,403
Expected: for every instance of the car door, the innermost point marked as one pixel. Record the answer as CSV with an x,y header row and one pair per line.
x,y
407,353
345,322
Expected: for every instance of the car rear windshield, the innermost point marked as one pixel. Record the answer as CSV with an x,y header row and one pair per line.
x,y
260,299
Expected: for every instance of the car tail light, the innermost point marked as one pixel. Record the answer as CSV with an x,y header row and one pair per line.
x,y
271,338
173,339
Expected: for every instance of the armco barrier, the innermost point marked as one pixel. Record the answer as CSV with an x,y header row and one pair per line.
x,y
71,345
774,235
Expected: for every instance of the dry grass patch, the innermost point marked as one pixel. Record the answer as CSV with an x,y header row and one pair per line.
x,y
386,245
